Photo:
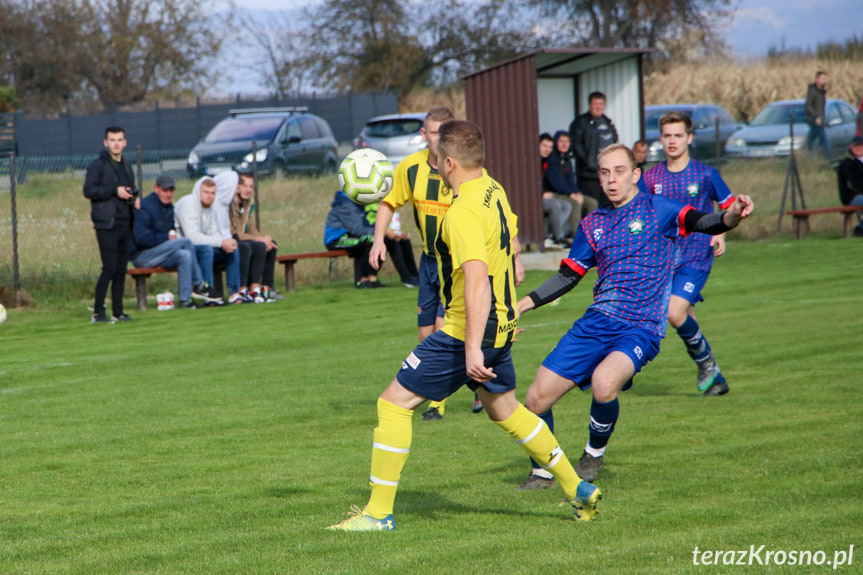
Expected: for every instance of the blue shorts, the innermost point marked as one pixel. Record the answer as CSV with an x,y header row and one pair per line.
x,y
688,282
429,304
435,369
591,339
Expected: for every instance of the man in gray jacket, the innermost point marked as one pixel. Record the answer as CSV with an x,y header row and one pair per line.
x,y
197,219
816,100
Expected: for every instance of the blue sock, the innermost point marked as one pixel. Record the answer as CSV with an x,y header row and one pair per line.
x,y
603,416
548,418
696,343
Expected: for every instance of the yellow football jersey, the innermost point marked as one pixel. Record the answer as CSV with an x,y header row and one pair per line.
x,y
480,225
418,183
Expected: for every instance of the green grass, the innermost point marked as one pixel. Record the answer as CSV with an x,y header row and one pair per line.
x,y
224,440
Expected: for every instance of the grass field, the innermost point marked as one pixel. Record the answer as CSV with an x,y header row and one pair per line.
x,y
224,440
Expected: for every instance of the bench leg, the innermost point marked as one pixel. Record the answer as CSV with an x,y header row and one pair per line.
x,y
141,292
289,276
849,224
218,284
801,226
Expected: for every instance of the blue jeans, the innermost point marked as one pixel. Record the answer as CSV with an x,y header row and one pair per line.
x,y
818,133
208,255
180,254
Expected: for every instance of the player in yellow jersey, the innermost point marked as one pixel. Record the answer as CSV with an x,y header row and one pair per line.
x,y
417,182
479,264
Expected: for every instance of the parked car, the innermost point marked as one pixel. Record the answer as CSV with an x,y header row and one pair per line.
x,y
288,140
704,138
768,134
396,136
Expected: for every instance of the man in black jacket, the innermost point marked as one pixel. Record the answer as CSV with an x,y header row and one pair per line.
x,y
110,187
590,133
850,177
816,100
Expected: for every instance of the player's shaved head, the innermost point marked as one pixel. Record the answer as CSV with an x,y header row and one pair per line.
x,y
439,114
463,141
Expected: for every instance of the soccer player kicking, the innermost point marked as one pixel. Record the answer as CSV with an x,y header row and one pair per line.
x,y
692,183
632,244
479,267
417,181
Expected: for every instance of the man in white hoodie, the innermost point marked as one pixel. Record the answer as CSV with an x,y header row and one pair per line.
x,y
198,218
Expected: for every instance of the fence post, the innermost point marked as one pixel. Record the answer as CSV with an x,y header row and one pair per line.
x,y
158,127
140,169
198,113
68,124
16,278
255,180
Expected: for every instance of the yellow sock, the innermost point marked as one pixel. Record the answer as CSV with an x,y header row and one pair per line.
x,y
390,450
440,405
534,436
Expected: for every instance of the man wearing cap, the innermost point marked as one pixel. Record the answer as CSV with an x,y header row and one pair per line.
x,y
850,177
156,244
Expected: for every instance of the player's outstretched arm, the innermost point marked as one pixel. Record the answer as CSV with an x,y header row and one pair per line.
x,y
378,253
554,287
739,211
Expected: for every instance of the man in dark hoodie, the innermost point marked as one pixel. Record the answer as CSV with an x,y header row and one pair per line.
x,y
849,174
590,133
157,244
560,180
110,187
347,228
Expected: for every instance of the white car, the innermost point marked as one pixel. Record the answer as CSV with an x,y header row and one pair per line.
x,y
396,136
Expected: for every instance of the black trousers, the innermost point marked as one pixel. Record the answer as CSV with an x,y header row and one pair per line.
x,y
114,250
402,256
257,265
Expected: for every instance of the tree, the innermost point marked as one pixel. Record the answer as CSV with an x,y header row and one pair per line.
x,y
113,51
396,44
667,25
130,47
281,51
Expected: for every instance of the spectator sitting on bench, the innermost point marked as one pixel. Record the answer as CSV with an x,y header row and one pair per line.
x,y
850,177
196,219
399,247
156,244
257,251
347,228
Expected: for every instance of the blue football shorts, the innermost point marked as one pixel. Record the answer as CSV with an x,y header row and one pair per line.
x,y
429,304
435,369
591,339
688,282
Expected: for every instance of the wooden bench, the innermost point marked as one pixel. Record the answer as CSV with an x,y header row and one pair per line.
x,y
290,260
801,218
142,274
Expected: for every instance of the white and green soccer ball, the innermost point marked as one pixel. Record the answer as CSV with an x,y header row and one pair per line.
x,y
366,176
2,313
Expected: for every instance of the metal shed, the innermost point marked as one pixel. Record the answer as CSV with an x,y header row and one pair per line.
x,y
543,91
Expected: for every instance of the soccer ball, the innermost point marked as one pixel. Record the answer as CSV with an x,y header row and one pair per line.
x,y
366,176
2,313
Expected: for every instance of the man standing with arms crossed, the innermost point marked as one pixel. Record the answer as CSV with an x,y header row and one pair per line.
x,y
590,133
479,266
417,181
690,182
632,245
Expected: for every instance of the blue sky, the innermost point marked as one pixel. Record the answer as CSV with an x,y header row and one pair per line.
x,y
757,24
